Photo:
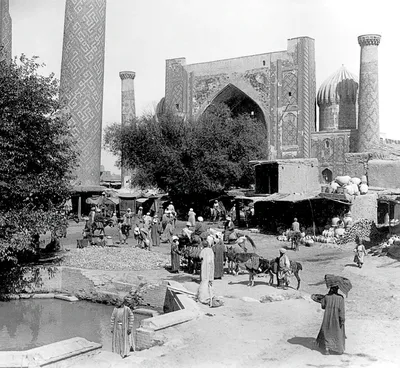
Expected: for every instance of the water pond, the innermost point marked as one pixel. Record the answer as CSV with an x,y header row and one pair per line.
x,y
26,324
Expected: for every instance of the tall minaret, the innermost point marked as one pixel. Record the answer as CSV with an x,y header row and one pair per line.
x,y
5,31
128,109
82,77
368,97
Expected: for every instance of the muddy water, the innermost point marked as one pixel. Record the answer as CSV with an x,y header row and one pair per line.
x,y
25,324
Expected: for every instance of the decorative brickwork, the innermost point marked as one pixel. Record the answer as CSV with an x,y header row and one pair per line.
x,y
128,107
175,80
289,130
331,148
5,31
307,89
272,81
82,75
368,100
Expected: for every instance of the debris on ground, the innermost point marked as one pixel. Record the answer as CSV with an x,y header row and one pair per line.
x,y
115,259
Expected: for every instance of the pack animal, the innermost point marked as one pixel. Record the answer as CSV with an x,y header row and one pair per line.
x,y
253,263
295,268
192,255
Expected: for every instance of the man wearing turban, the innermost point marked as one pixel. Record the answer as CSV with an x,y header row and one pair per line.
x,y
283,268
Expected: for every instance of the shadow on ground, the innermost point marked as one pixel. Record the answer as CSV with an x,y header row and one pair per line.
x,y
307,342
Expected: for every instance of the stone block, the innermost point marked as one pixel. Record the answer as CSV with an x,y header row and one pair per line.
x,y
43,296
168,320
61,354
68,298
144,338
25,296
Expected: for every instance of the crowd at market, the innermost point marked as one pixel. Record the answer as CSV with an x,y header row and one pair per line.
x,y
211,247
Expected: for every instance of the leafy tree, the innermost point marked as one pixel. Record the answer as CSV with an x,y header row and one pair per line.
x,y
36,162
190,159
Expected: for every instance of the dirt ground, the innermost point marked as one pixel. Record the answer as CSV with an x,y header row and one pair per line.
x,y
245,332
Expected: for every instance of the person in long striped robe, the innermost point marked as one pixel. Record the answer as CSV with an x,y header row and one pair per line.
x,y
122,329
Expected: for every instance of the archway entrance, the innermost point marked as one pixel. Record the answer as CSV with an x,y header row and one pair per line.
x,y
238,102
327,175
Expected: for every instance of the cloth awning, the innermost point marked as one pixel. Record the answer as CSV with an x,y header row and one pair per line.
x,y
288,197
343,198
141,200
389,198
128,195
250,199
100,200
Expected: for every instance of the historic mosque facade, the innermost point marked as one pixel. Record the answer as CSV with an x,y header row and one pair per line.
x,y
277,88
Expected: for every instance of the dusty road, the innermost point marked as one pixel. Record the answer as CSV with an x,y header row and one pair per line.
x,y
245,332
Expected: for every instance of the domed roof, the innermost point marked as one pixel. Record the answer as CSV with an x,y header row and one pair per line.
x,y
340,85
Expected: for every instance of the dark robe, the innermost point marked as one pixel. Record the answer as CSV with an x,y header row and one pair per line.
x,y
200,230
332,333
155,233
218,249
175,257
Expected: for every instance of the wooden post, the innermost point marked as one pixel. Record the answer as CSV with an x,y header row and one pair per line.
x,y
79,207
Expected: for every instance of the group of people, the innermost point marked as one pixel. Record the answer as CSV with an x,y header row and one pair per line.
x,y
331,337
148,230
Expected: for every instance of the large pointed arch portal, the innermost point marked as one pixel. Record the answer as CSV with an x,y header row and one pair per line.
x,y
238,102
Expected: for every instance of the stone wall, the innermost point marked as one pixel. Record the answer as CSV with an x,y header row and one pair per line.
x,y
384,173
102,287
298,176
365,207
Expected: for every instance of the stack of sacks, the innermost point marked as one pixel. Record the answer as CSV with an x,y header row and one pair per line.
x,y
352,186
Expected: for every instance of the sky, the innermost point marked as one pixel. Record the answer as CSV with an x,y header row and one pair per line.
x,y
142,34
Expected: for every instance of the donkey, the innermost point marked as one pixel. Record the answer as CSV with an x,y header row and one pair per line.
x,y
253,263
273,268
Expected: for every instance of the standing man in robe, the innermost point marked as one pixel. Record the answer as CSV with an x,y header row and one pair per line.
x,y
168,227
219,250
207,260
331,337
155,231
283,269
175,255
192,217
296,235
122,328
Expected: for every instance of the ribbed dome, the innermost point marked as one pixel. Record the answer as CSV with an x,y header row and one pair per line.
x,y
342,85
